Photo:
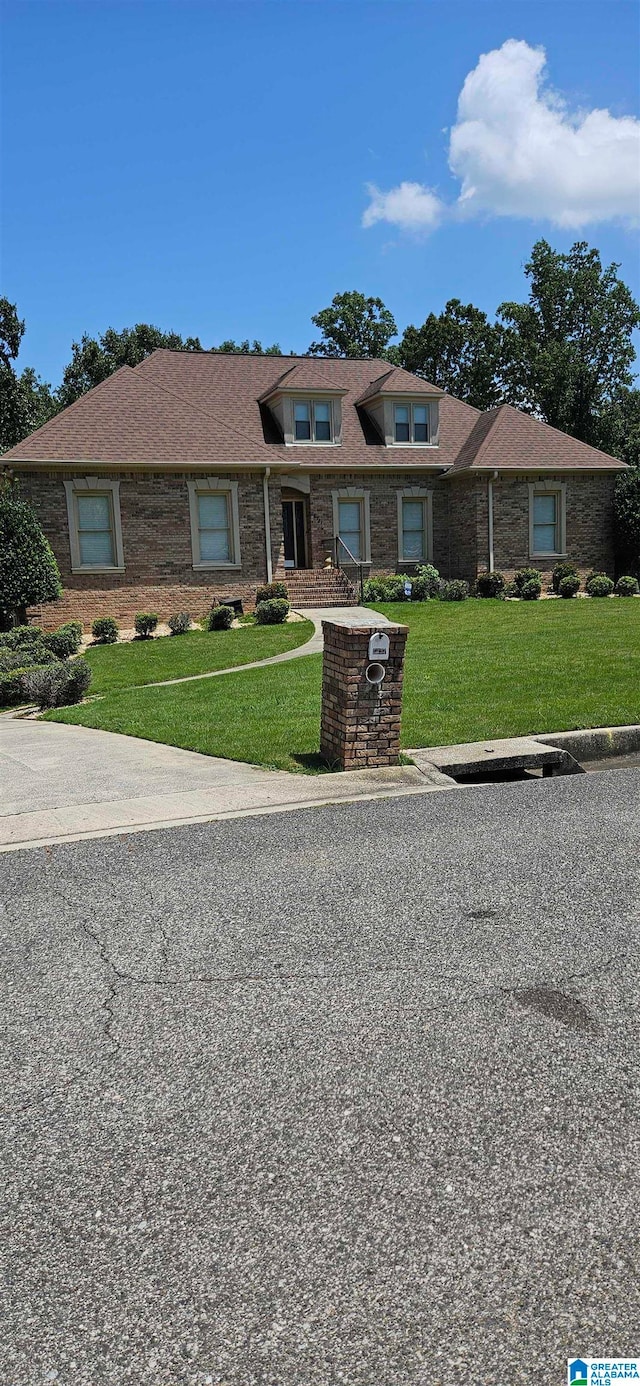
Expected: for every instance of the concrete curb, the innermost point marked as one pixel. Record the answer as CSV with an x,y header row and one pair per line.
x,y
595,743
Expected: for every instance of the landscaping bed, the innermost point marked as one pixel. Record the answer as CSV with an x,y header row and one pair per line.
x,y
474,669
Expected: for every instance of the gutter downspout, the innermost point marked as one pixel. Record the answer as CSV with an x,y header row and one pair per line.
x,y
267,522
490,514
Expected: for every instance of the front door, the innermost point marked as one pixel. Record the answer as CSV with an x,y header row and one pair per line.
x,y
293,528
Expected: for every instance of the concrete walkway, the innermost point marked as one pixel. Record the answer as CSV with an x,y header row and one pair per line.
x,y
344,615
64,783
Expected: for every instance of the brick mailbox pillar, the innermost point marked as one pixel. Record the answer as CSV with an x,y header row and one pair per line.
x,y
360,725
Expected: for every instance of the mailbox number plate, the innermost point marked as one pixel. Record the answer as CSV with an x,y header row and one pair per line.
x,y
379,646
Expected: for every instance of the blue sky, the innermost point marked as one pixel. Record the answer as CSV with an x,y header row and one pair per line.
x,y
205,166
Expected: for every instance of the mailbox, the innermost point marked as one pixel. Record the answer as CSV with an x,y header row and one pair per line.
x,y
379,646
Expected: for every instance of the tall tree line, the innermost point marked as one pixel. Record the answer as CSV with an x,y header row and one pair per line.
x,y
565,355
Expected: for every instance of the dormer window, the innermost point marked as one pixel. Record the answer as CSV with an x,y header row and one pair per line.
x,y
312,421
411,423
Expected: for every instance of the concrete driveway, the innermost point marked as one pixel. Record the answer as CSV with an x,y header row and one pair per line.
x,y
335,1096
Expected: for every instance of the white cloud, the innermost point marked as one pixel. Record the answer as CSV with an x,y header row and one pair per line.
x,y
519,151
411,206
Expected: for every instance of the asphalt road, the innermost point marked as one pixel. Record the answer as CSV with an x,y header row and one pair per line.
x,y
334,1097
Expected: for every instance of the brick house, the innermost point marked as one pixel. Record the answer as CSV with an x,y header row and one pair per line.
x,y
198,475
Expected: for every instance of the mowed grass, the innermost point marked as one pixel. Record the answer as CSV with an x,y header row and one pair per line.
x,y
138,662
474,670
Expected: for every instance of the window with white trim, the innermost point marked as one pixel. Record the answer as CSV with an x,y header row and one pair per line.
x,y
312,421
95,532
215,529
411,423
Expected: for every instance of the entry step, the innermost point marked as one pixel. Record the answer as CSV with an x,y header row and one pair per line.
x,y
481,758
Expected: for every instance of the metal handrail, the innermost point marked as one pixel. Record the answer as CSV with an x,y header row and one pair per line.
x,y
357,562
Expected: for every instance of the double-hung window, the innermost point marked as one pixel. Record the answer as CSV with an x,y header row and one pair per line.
x,y
350,527
545,523
411,423
413,530
312,421
214,527
215,531
95,531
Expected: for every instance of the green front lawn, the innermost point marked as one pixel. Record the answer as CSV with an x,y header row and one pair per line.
x,y
137,662
474,670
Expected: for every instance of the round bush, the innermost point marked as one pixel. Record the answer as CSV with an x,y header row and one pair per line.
x,y
29,642
420,589
179,624
58,685
569,585
394,588
105,630
489,584
272,613
456,590
373,589
530,591
66,640
220,618
599,585
525,575
511,590
562,571
145,623
627,587
271,590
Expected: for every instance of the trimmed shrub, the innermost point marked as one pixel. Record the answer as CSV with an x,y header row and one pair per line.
x,y
525,575
456,590
271,591
627,587
272,613
12,689
373,589
180,624
511,590
145,623
489,584
562,571
10,660
28,570
427,576
30,643
220,618
66,640
105,630
394,588
569,585
600,585
58,685
530,590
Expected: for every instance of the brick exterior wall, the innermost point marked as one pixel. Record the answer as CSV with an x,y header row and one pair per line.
x,y
156,532
589,523
360,726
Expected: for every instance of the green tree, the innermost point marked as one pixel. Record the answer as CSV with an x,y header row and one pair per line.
x,y
93,359
458,350
28,570
567,353
354,326
247,349
626,502
26,402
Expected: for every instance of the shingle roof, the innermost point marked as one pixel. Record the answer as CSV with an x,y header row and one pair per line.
x,y
186,409
506,439
397,381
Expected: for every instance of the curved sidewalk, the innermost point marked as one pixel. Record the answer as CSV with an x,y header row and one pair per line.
x,y
344,615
